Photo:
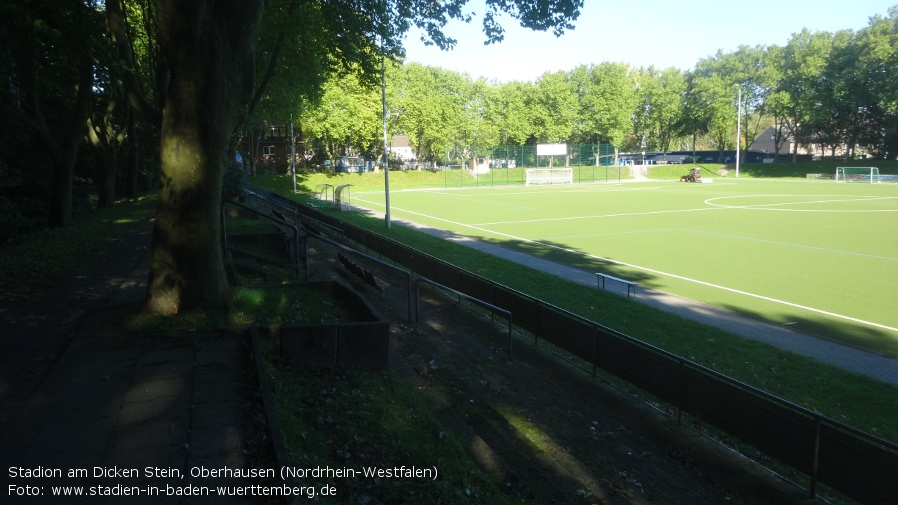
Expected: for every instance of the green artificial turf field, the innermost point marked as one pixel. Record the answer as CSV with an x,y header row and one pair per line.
x,y
819,256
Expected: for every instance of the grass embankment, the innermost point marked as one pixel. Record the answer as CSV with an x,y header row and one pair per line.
x,y
856,400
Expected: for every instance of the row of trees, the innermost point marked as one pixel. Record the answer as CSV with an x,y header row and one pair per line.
x,y
833,90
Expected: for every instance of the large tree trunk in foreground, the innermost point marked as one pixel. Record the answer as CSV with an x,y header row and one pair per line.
x,y
209,48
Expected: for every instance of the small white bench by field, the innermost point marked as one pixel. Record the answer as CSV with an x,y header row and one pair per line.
x,y
631,286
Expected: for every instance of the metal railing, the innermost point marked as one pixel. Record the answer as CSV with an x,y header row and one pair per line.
x,y
494,309
404,272
295,235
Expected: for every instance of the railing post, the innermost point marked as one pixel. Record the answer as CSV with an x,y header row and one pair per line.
x,y
816,461
417,303
595,349
682,393
509,335
536,332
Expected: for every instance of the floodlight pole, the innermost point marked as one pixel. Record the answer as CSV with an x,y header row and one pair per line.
x,y
383,97
738,128
644,169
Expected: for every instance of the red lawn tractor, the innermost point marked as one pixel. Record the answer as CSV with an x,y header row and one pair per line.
x,y
694,175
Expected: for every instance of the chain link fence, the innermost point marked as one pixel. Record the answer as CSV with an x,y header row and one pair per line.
x,y
506,165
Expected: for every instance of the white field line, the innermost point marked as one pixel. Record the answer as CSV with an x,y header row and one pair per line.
x,y
659,272
712,206
479,199
534,191
727,235
778,206
599,216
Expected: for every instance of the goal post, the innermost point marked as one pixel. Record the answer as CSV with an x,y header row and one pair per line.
x,y
857,174
549,176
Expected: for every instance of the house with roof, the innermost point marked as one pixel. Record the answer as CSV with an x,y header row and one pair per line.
x,y
765,143
401,149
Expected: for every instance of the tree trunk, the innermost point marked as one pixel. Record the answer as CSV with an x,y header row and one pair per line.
x,y
64,151
63,175
108,166
133,150
209,47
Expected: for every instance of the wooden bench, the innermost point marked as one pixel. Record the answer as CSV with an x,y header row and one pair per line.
x,y
631,286
362,273
280,215
311,229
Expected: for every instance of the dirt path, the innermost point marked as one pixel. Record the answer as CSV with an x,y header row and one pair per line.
x,y
550,429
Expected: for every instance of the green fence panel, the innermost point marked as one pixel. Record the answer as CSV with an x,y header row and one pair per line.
x,y
398,252
571,334
376,244
524,311
445,274
356,234
773,427
856,467
647,368
424,265
475,286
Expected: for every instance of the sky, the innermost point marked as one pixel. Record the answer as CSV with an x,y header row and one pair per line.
x,y
660,33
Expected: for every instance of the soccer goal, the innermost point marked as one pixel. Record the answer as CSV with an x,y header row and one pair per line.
x,y
549,176
857,174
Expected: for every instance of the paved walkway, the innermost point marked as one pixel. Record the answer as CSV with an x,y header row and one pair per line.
x,y
134,415
855,360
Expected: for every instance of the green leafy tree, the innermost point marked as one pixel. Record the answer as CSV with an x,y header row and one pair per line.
x,y
554,106
803,62
879,57
662,106
606,99
431,107
748,69
347,114
483,112
714,100
514,115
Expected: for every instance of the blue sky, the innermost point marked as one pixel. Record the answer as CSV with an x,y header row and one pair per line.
x,y
640,32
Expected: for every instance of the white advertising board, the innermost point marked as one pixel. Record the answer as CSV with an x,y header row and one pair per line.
x,y
551,149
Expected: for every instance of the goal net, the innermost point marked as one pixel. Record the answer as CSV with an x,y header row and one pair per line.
x,y
549,176
857,174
